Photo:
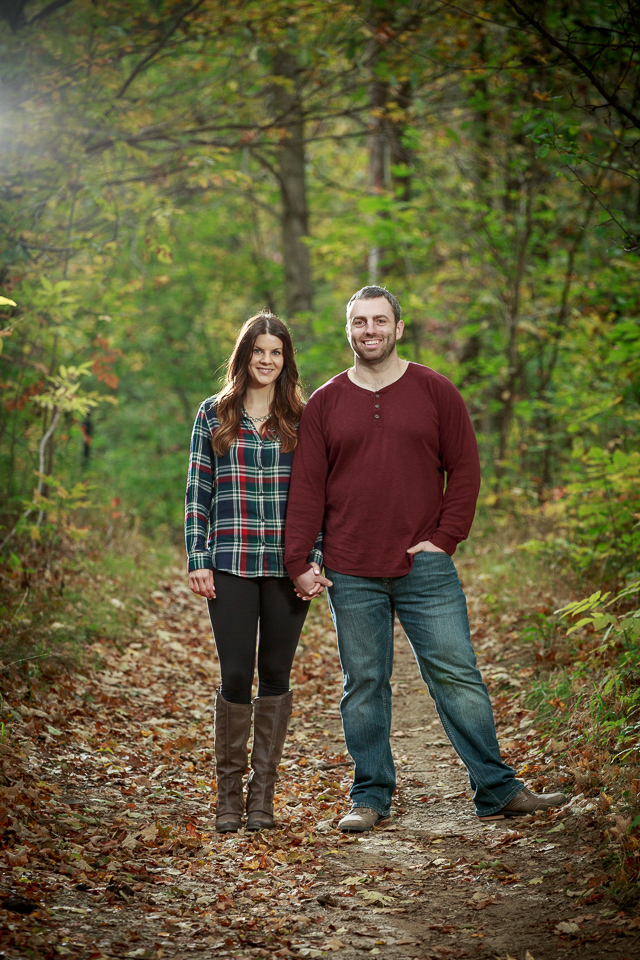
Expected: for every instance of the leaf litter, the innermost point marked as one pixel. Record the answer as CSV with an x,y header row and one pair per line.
x,y
107,819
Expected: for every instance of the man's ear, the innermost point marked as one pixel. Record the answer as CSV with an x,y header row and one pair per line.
x,y
399,329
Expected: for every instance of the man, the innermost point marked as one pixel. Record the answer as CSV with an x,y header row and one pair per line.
x,y
375,445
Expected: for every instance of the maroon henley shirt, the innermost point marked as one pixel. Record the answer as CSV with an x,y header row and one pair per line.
x,y
369,470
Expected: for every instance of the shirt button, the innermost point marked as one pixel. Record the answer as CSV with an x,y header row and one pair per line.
x,y
377,405
377,416
377,394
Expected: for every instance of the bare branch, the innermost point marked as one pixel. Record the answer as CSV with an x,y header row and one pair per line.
x,y
611,98
173,26
48,10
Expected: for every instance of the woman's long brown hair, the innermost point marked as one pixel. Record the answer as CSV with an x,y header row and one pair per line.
x,y
286,407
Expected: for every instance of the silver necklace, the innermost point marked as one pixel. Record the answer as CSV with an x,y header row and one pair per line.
x,y
256,419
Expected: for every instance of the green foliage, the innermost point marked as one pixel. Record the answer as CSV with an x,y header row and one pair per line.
x,y
597,701
596,517
144,207
96,588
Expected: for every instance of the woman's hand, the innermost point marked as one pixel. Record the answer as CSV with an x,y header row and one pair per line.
x,y
311,583
201,582
425,546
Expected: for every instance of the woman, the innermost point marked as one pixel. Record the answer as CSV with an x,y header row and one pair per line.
x,y
241,453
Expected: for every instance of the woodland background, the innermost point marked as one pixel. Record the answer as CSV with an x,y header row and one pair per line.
x,y
167,168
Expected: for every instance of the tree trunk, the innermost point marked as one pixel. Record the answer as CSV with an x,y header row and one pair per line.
x,y
400,155
291,173
378,92
386,128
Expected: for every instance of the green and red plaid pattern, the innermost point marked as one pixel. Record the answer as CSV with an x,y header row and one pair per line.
x,y
235,505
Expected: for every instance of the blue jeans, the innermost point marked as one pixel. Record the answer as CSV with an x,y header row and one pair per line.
x,y
432,610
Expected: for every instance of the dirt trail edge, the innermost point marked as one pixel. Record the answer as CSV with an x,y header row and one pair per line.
x,y
109,848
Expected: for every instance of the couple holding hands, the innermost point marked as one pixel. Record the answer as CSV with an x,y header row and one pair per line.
x,y
376,480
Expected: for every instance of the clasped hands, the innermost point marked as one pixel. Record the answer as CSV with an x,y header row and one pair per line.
x,y
311,583
308,585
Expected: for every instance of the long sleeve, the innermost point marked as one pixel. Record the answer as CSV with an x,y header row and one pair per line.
x,y
305,509
461,464
370,471
199,495
316,554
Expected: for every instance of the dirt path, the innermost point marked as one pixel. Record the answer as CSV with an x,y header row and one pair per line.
x,y
109,849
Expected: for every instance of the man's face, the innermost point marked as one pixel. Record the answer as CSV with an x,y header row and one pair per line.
x,y
372,330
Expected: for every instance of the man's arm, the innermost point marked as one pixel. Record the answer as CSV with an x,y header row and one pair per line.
x,y
461,463
306,504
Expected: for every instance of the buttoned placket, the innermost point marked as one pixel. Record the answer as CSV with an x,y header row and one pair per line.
x,y
376,408
261,504
260,489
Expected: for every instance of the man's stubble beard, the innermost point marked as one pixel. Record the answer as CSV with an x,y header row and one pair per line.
x,y
389,347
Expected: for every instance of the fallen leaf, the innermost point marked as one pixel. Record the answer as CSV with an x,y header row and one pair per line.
x,y
18,857
376,897
149,833
560,828
324,826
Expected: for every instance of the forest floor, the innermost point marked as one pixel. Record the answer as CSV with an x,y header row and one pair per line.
x,y
110,851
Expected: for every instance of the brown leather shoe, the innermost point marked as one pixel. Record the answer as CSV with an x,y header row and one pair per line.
x,y
525,802
360,820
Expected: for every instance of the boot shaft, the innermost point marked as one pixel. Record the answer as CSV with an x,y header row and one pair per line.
x,y
232,727
271,720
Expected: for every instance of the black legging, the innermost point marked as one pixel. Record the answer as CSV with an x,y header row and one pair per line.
x,y
241,603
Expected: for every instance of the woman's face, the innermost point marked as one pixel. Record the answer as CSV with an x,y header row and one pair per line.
x,y
267,360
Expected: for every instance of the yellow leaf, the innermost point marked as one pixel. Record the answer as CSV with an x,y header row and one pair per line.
x,y
377,897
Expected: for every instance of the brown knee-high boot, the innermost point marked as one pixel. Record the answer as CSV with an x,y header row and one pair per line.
x,y
270,721
232,726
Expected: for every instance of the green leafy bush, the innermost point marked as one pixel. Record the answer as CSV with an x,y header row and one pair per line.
x,y
597,698
612,628
596,517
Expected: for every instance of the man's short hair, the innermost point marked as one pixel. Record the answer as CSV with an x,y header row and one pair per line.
x,y
372,293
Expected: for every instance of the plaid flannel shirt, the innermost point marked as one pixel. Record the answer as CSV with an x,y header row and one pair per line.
x,y
235,505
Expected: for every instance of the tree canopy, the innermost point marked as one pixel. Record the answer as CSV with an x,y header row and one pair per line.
x,y
168,168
